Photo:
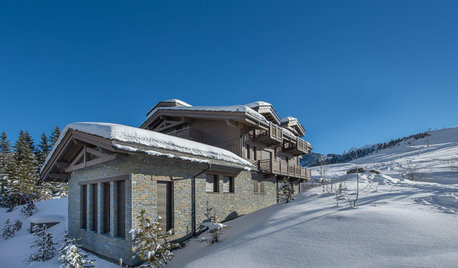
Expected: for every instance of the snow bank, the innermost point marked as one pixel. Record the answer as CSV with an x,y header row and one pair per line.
x,y
151,139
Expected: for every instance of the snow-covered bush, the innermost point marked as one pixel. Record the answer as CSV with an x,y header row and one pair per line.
x,y
71,256
9,230
215,228
44,244
413,173
152,242
29,209
286,191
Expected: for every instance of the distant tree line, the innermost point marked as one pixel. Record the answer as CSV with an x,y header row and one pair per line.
x,y
20,166
316,159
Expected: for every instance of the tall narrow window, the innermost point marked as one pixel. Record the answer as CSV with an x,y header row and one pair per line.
x,y
255,186
94,207
121,208
228,184
262,187
83,206
255,157
211,184
106,207
248,151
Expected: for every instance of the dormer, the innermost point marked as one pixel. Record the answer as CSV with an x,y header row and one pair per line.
x,y
266,109
291,124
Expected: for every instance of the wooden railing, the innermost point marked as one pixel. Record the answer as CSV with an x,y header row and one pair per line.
x,y
273,135
297,147
270,166
187,133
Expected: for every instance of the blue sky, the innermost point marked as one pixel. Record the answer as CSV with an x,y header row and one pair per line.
x,y
353,72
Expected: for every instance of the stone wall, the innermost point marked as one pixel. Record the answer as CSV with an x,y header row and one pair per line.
x,y
142,174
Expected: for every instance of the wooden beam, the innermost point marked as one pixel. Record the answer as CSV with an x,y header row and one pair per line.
x,y
62,164
59,175
101,160
81,154
95,152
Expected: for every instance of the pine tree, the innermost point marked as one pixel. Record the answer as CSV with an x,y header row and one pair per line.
x,y
9,230
42,150
71,256
43,243
54,136
5,169
25,171
152,243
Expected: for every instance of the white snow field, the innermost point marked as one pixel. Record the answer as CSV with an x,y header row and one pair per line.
x,y
396,222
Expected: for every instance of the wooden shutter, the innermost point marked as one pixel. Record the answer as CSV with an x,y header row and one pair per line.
x,y
263,191
164,204
121,208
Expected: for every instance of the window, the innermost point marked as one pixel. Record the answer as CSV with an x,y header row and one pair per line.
x,y
211,185
106,208
83,206
94,207
262,189
248,156
228,184
254,153
121,208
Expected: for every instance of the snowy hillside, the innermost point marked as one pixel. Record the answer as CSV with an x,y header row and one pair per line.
x,y
396,222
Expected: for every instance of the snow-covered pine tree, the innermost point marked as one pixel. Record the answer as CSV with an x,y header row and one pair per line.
x,y
215,228
9,230
286,191
44,244
54,136
152,242
42,150
71,256
26,169
29,208
5,169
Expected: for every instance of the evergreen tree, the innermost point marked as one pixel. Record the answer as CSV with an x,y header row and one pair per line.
x,y
54,136
152,243
43,243
286,191
42,150
5,168
25,170
71,256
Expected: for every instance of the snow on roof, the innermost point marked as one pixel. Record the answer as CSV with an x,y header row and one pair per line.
x,y
177,101
257,104
151,139
287,119
230,108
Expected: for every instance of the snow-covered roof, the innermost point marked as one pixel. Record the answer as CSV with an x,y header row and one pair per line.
x,y
179,102
257,104
230,108
150,139
288,119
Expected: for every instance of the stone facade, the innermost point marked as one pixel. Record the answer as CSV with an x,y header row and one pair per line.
x,y
141,176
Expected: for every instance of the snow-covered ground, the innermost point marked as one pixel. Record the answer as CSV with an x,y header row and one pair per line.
x,y
15,251
396,222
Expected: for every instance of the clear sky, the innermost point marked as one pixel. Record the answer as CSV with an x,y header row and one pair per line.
x,y
353,72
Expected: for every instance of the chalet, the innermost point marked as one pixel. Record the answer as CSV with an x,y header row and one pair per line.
x,y
181,160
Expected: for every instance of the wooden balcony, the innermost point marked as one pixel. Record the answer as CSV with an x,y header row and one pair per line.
x,y
273,135
298,147
276,167
187,133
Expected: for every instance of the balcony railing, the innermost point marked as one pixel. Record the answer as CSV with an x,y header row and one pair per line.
x,y
276,167
298,147
273,135
187,133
